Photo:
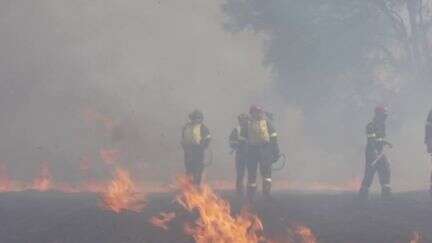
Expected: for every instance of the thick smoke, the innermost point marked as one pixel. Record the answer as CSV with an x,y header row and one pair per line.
x,y
335,61
80,76
70,67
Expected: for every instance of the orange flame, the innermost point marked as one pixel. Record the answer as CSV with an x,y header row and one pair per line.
x,y
305,234
163,220
44,180
121,194
215,223
110,156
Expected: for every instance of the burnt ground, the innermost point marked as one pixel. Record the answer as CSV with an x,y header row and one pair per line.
x,y
54,217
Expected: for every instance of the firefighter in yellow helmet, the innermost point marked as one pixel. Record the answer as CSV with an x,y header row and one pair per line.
x,y
238,144
263,150
195,140
428,141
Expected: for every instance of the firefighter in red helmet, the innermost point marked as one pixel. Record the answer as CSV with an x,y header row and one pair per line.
x,y
263,150
428,141
376,160
195,140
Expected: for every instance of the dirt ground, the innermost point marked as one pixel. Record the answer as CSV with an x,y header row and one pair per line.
x,y
54,217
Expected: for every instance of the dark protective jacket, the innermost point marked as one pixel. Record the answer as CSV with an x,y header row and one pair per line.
x,y
376,133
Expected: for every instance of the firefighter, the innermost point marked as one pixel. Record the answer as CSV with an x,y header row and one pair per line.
x,y
376,160
238,144
263,151
195,140
428,141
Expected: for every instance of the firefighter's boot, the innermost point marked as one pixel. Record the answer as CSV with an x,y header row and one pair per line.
x,y
267,186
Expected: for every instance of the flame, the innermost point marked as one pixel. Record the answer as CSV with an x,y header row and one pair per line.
x,y
5,183
121,194
415,237
305,234
44,180
162,220
110,156
215,223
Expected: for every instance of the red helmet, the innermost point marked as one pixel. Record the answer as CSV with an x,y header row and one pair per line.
x,y
380,109
255,109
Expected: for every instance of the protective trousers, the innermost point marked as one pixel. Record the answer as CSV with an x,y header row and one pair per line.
x,y
194,162
376,162
259,155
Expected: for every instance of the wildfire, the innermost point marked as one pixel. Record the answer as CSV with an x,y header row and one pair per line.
x,y
305,234
215,223
121,194
163,220
44,180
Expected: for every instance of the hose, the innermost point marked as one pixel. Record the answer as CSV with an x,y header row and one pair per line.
x,y
280,163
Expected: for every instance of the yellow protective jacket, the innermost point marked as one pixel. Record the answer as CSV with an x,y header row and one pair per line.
x,y
260,132
195,134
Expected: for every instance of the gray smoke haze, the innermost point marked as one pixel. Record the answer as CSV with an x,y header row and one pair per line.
x,y
335,61
142,64
80,76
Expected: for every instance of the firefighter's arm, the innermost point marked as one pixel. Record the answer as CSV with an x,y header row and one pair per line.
x,y
274,140
206,137
272,133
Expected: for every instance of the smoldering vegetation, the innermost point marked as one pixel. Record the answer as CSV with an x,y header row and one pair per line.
x,y
78,77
